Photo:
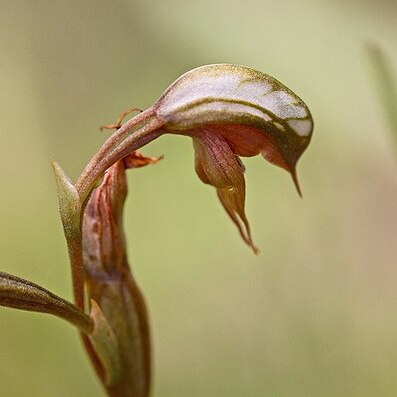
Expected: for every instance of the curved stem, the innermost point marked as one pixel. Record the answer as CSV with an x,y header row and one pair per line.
x,y
132,135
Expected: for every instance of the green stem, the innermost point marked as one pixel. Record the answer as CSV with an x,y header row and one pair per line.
x,y
76,260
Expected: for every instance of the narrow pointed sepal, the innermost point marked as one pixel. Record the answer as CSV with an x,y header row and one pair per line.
x,y
218,166
231,199
296,181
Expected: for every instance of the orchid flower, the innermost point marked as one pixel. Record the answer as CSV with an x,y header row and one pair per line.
x,y
229,111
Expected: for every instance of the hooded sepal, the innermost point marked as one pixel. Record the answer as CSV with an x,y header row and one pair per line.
x,y
238,96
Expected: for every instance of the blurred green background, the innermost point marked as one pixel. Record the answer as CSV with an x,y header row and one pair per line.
x,y
315,314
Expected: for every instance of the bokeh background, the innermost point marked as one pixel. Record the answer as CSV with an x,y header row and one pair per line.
x,y
315,314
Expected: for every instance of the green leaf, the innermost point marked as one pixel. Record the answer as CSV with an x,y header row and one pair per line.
x,y
22,294
69,202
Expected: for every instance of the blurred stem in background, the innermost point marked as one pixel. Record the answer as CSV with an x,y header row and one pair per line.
x,y
385,84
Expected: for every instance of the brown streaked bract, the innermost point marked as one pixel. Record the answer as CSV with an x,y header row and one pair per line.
x,y
111,287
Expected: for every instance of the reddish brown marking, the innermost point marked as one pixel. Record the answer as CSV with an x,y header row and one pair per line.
x,y
137,160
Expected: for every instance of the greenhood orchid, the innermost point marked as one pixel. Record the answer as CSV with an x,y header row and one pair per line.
x,y
232,111
229,111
